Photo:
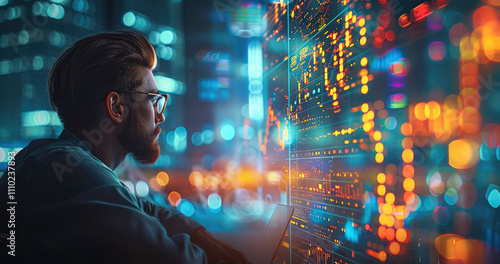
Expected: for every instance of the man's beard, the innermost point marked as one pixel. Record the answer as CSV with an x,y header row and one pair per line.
x,y
142,144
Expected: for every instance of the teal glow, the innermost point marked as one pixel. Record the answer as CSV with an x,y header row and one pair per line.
x,y
227,132
186,208
197,139
494,198
37,63
4,2
208,136
55,11
214,202
167,37
142,189
129,19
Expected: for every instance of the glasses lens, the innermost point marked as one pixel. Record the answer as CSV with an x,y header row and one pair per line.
x,y
160,104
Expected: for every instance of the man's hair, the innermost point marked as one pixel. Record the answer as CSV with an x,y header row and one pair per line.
x,y
90,68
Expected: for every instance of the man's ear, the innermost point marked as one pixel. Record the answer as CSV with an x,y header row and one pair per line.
x,y
115,107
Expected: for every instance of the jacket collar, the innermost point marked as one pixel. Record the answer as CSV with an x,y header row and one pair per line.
x,y
70,137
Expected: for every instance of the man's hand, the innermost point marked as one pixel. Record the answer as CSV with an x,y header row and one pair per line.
x,y
216,250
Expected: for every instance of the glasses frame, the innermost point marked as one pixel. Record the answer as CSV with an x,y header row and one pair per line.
x,y
155,102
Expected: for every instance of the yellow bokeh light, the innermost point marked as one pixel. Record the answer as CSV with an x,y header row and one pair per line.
x,y
379,157
361,22
367,126
364,61
381,178
364,89
407,155
463,154
379,147
420,111
387,209
432,110
390,198
381,190
377,136
365,107
389,221
362,41
409,184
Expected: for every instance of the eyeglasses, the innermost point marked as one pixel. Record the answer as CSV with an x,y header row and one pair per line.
x,y
159,101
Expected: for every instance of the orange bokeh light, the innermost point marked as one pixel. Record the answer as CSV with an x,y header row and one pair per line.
x,y
407,143
390,234
420,111
394,248
162,178
402,235
174,198
408,171
406,129
382,232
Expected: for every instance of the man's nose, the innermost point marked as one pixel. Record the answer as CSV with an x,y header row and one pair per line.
x,y
160,118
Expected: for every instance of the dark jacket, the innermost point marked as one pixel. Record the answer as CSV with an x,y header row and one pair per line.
x,y
69,207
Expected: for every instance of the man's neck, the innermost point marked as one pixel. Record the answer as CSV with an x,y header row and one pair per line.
x,y
104,146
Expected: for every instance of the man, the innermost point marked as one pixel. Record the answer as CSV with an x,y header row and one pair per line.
x,y
67,204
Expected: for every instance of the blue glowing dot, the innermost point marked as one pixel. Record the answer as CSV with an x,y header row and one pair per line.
x,y
129,19
181,132
197,139
208,136
186,208
167,37
142,188
214,201
227,132
55,11
494,198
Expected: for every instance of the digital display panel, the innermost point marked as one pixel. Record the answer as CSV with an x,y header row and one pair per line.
x,y
381,116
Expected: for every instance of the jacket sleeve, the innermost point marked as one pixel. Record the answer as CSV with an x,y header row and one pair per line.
x,y
105,219
174,223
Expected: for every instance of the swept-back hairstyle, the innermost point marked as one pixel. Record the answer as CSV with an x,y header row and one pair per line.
x,y
90,68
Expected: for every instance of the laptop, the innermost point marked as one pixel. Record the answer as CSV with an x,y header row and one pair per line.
x,y
270,241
